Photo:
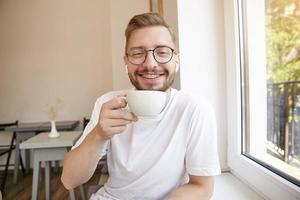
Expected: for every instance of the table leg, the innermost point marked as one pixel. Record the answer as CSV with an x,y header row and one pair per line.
x,y
20,136
17,158
72,194
56,166
82,192
35,178
47,179
27,160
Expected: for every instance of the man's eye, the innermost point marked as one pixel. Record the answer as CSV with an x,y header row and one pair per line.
x,y
163,53
137,54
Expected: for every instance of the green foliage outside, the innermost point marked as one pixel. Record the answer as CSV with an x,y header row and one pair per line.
x,y
283,40
283,65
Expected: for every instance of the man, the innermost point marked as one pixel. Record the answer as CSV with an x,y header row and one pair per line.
x,y
170,156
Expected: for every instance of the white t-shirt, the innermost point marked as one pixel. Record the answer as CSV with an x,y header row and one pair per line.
x,y
154,155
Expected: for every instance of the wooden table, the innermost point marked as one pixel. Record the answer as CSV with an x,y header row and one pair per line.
x,y
27,130
48,149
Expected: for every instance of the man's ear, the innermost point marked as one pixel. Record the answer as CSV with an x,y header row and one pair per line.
x,y
176,67
125,61
176,62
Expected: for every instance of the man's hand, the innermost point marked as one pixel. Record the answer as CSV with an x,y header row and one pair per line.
x,y
114,118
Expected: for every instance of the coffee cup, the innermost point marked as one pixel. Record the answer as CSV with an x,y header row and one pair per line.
x,y
146,103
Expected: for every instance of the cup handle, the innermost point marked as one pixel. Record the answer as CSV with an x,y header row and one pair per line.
x,y
127,107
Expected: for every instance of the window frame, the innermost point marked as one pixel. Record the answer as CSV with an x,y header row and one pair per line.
x,y
268,184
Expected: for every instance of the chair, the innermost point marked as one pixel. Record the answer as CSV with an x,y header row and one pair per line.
x,y
102,180
104,170
85,122
103,159
6,147
81,187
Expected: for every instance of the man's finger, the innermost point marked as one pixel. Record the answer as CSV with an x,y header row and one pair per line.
x,y
117,129
115,103
121,114
118,122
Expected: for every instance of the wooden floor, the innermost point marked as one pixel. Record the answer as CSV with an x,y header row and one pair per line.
x,y
22,190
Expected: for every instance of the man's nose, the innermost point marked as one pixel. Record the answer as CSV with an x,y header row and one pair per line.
x,y
150,61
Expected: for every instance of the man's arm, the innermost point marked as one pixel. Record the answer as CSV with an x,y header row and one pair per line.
x,y
81,162
198,188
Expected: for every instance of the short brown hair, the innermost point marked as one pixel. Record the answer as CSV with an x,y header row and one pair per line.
x,y
146,20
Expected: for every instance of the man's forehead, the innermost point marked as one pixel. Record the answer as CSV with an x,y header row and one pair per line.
x,y
150,36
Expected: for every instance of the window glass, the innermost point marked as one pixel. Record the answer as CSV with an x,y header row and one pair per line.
x,y
270,75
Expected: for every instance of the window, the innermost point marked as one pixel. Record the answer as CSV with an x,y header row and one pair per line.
x,y
271,86
263,73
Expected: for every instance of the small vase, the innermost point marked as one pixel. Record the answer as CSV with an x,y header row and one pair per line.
x,y
53,133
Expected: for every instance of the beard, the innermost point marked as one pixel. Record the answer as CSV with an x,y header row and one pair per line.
x,y
166,85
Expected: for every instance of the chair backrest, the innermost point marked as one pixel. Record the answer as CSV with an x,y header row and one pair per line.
x,y
7,146
4,125
85,122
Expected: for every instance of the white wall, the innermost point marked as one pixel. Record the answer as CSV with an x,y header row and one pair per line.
x,y
202,57
52,50
171,16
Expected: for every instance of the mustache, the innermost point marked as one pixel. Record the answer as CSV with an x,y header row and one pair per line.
x,y
154,72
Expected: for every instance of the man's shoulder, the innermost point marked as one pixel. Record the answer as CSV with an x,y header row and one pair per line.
x,y
196,105
190,98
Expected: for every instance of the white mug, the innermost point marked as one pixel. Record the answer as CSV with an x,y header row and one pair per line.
x,y
146,103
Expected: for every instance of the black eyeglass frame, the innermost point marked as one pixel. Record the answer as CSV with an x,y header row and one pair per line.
x,y
153,54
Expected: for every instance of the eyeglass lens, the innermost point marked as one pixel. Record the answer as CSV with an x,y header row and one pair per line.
x,y
162,55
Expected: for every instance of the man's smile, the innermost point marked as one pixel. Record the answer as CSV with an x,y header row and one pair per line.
x,y
150,75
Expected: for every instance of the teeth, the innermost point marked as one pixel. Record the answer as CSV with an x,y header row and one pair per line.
x,y
150,76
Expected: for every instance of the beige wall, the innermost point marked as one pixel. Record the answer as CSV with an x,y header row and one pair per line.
x,y
72,50
171,16
121,12
49,50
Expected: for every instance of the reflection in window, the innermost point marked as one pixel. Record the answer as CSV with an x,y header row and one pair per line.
x,y
270,35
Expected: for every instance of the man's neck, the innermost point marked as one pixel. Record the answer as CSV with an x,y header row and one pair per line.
x,y
168,91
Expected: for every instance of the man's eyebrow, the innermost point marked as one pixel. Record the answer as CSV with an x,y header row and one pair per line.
x,y
137,47
163,46
143,47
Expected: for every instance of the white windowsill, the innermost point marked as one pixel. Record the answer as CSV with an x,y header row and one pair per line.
x,y
228,186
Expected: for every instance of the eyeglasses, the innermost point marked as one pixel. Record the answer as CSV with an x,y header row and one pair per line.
x,y
162,55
